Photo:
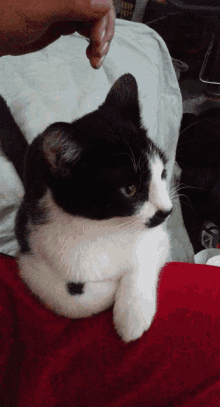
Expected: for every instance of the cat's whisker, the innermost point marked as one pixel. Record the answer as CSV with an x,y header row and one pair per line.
x,y
123,225
132,227
130,224
133,158
181,163
189,206
189,127
191,187
174,189
184,186
185,196
178,196
179,150
181,184
133,162
141,175
127,222
184,203
135,230
144,172
179,189
129,232
139,161
184,142
173,192
141,226
125,228
174,196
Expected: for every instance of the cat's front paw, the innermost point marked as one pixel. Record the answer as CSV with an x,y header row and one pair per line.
x,y
131,322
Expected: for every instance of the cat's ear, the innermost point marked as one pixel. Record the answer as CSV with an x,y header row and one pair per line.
x,y
123,96
59,148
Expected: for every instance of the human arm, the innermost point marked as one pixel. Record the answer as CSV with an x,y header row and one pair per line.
x,y
28,25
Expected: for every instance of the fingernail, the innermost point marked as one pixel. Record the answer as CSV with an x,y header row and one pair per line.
x,y
100,62
104,48
104,26
103,34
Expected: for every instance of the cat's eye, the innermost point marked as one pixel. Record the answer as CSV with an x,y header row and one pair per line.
x,y
164,174
129,191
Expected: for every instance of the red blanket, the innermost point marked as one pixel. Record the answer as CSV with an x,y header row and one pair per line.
x,y
47,360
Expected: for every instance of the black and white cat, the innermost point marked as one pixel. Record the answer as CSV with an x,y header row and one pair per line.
x,y
90,226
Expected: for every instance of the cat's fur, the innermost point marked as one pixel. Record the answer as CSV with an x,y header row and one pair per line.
x,y
90,226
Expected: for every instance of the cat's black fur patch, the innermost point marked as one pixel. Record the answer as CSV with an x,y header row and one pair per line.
x,y
88,164
75,288
12,141
158,218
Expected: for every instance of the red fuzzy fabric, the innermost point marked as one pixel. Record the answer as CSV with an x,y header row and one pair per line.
x,y
52,361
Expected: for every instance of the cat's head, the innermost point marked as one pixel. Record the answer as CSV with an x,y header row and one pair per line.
x,y
103,165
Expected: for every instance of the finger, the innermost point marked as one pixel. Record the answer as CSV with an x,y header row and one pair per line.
x,y
103,30
85,31
101,35
97,55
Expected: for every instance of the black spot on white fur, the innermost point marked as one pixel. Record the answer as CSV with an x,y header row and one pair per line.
x,y
75,288
158,218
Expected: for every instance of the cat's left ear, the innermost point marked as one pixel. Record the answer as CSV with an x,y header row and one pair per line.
x,y
59,148
123,96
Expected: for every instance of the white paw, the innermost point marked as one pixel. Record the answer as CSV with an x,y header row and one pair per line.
x,y
131,322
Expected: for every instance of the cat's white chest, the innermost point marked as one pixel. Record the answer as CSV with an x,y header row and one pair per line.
x,y
118,260
120,268
81,250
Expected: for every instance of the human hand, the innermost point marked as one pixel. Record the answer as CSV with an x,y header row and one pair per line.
x,y
28,25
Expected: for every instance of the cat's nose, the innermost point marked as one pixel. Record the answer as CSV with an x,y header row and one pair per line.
x,y
158,218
